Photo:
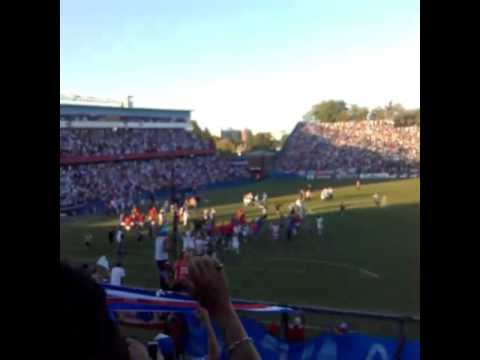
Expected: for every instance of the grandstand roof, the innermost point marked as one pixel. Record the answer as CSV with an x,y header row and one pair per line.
x,y
71,109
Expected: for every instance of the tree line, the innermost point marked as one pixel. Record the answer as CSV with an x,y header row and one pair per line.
x,y
337,110
259,141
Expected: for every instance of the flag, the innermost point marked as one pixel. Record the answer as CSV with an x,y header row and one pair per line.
x,y
103,262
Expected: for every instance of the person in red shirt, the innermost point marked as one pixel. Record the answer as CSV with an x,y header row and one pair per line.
x,y
274,329
152,216
296,331
140,219
228,228
181,268
127,222
135,212
243,219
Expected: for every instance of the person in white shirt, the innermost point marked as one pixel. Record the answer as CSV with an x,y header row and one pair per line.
x,y
161,217
298,203
212,214
185,216
319,221
263,209
161,256
199,246
308,194
117,274
383,202
275,231
188,242
235,244
119,241
245,231
323,194
264,198
247,199
237,229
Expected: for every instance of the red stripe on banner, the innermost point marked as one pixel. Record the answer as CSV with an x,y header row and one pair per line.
x,y
183,304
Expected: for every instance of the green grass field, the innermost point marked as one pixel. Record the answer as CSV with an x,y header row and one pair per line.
x,y
368,259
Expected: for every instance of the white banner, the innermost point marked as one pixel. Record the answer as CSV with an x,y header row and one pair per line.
x,y
375,176
119,125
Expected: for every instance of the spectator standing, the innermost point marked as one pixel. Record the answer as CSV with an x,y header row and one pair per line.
x,y
296,330
119,238
161,256
117,274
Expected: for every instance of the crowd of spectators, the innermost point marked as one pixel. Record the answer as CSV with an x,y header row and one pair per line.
x,y
353,146
119,142
129,181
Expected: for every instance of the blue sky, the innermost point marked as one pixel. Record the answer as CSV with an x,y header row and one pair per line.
x,y
242,63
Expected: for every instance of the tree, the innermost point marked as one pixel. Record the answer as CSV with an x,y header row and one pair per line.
x,y
283,140
196,129
263,141
417,117
358,113
225,146
330,111
202,134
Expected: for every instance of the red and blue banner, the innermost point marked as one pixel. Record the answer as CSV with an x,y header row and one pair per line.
x,y
351,346
121,298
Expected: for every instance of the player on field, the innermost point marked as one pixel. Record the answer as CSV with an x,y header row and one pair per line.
x,y
152,215
236,241
319,223
185,216
126,222
161,256
161,217
119,238
275,227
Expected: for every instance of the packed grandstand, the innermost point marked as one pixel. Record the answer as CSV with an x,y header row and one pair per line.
x,y
353,147
105,157
130,154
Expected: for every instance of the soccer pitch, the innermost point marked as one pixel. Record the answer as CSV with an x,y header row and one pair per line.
x,y
368,259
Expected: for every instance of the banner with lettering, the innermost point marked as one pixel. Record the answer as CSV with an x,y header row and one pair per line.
x,y
351,346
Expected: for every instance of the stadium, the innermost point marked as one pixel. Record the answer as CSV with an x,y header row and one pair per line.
x,y
239,180
360,268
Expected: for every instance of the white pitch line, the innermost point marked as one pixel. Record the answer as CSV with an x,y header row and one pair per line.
x,y
346,266
277,270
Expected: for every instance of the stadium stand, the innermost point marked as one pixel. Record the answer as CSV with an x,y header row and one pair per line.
x,y
128,181
94,142
102,160
351,147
